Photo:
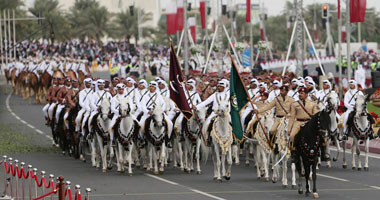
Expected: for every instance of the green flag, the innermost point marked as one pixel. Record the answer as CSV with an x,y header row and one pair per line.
x,y
239,98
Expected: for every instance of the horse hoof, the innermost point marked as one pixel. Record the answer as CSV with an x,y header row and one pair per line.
x,y
307,193
138,166
199,172
129,174
274,180
219,180
335,159
353,168
247,164
366,169
300,191
259,177
359,169
284,186
237,164
227,178
344,166
315,195
319,165
215,178
182,169
120,171
156,172
104,170
267,179
109,167
328,166
294,187
188,171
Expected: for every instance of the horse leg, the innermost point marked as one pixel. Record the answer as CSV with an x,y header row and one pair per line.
x,y
247,148
214,160
344,155
130,147
197,155
358,156
218,162
306,165
337,149
293,166
223,162
150,157
180,153
186,162
314,169
155,160
118,157
235,151
284,172
258,161
366,155
265,165
93,153
229,164
353,147
163,156
298,165
275,169
328,163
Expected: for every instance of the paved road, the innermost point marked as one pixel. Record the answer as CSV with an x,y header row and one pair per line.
x,y
333,183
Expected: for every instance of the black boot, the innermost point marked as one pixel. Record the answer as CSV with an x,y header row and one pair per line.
x,y
324,155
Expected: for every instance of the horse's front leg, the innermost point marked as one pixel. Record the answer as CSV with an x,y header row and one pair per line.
x,y
337,144
186,160
366,155
163,157
192,150
155,156
328,163
119,157
284,172
306,165
298,166
353,147
314,169
275,168
258,161
197,155
344,155
235,151
218,162
265,163
247,148
93,152
229,164
130,158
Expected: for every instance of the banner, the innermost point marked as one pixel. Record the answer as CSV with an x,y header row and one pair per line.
x,y
202,9
192,27
179,15
171,17
357,10
248,11
246,58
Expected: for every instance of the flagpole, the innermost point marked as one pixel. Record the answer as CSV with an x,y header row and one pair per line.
x,y
249,99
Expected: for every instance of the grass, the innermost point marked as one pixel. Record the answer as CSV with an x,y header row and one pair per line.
x,y
12,141
372,108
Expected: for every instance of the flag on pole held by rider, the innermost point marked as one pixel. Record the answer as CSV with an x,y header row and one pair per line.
x,y
239,98
177,93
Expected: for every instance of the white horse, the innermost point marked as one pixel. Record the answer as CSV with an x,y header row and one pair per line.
x,y
222,138
281,156
125,133
360,130
191,132
332,102
156,130
260,144
101,129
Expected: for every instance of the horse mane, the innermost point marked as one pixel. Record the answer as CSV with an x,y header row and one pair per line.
x,y
308,130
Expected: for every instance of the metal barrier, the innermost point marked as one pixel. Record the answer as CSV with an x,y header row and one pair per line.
x,y
13,174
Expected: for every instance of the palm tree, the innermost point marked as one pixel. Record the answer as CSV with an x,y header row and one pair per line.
x,y
127,25
54,25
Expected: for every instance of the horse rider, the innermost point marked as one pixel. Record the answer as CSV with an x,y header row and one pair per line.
x,y
83,103
192,100
54,96
150,101
282,104
253,92
276,90
209,90
61,98
301,112
96,100
171,109
87,103
51,91
133,94
71,100
349,102
215,99
142,89
293,90
313,92
325,92
115,107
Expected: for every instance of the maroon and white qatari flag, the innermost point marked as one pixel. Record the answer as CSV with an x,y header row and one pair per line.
x,y
202,9
171,18
177,92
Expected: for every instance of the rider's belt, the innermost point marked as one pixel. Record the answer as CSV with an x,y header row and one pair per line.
x,y
279,116
303,120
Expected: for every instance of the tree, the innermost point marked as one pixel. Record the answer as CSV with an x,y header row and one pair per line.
x,y
127,25
54,26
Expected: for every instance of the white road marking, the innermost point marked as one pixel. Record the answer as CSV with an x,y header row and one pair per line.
x,y
375,187
333,177
22,121
370,155
189,188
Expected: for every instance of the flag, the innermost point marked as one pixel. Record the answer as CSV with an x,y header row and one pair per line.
x,y
357,10
338,9
202,9
262,35
177,93
248,11
191,24
239,98
343,28
171,18
179,15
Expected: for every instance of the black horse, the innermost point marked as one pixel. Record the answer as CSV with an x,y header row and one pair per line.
x,y
308,142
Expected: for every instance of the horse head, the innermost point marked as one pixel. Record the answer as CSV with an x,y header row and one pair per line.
x,y
200,115
158,117
105,108
125,108
361,106
224,108
324,120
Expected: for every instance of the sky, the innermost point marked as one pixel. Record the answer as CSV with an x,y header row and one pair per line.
x,y
274,7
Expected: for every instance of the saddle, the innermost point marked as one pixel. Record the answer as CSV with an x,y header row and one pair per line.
x,y
247,119
187,132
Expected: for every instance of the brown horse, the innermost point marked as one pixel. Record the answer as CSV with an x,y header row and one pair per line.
x,y
45,82
22,84
81,76
71,74
13,80
8,78
33,88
